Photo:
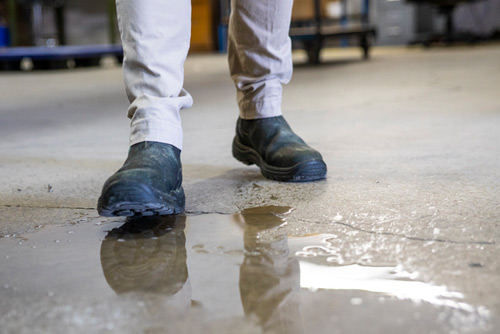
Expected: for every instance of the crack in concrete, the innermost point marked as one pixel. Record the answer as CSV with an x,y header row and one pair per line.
x,y
199,213
191,213
402,235
46,207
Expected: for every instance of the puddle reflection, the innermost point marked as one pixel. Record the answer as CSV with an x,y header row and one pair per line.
x,y
269,276
148,256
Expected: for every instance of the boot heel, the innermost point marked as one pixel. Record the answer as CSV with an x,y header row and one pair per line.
x,y
242,153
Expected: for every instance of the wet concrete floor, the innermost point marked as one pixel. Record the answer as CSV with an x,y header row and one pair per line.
x,y
214,273
402,237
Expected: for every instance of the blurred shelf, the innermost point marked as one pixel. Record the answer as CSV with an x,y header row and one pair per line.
x,y
57,57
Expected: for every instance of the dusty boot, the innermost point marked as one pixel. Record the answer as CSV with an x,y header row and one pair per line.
x,y
149,183
280,154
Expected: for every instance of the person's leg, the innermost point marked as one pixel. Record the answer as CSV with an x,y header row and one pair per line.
x,y
260,62
155,36
259,54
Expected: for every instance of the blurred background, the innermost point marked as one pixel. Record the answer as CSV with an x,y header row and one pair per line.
x,y
315,24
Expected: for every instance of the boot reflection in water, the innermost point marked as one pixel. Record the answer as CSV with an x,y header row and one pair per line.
x,y
269,276
147,255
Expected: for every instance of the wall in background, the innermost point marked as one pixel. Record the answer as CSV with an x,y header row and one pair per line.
x,y
398,21
480,17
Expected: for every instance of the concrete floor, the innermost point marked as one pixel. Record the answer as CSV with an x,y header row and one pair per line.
x,y
403,236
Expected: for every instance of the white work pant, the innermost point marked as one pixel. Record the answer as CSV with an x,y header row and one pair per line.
x,y
156,35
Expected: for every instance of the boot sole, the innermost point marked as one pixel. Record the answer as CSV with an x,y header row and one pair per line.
x,y
305,171
128,199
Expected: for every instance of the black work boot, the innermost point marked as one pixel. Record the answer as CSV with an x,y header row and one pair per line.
x,y
149,183
280,154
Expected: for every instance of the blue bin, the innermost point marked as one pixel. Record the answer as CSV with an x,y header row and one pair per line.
x,y
4,35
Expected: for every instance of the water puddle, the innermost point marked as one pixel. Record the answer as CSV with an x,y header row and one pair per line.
x,y
211,273
325,270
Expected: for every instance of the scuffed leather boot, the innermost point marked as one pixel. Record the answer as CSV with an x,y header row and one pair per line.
x,y
280,154
149,183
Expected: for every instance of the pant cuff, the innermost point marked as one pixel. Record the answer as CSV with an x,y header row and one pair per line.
x,y
155,131
260,109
